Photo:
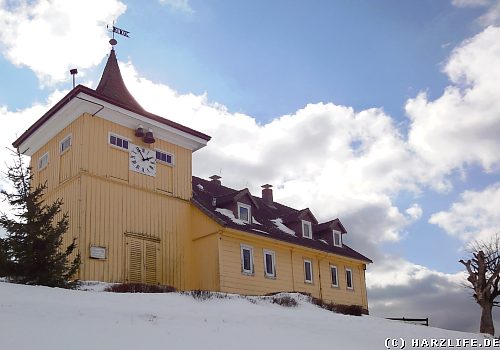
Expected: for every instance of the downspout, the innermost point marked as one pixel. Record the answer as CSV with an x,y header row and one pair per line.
x,y
293,276
319,273
364,286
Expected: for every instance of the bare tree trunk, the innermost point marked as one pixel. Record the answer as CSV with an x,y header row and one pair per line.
x,y
486,325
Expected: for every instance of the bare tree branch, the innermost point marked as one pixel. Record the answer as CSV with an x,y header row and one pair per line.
x,y
483,269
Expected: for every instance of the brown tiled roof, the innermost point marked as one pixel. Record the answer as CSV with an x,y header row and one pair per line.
x,y
204,191
111,89
113,86
330,225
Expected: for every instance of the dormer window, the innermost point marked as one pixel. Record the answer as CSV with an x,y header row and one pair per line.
x,y
306,229
244,212
337,238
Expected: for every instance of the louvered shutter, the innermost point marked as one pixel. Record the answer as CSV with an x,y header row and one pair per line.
x,y
151,262
135,261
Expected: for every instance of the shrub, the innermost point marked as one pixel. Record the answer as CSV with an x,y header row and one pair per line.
x,y
203,295
354,310
318,302
284,300
139,288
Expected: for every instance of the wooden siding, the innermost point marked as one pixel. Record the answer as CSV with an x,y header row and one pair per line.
x,y
90,152
114,210
63,166
205,256
290,276
105,201
206,273
175,243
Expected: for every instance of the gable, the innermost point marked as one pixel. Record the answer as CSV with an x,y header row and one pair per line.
x,y
84,100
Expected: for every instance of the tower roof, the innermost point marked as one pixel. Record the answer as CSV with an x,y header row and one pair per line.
x,y
113,86
111,100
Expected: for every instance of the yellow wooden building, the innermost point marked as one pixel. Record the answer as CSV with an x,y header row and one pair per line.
x,y
139,215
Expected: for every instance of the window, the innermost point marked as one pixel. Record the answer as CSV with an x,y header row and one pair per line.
x,y
246,259
335,279
337,238
308,275
118,141
269,264
306,229
348,278
244,212
164,157
43,161
65,144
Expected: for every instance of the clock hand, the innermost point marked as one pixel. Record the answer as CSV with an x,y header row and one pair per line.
x,y
142,155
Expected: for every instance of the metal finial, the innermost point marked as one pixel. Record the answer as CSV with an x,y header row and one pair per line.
x,y
116,30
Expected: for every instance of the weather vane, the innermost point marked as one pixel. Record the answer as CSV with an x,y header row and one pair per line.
x,y
117,30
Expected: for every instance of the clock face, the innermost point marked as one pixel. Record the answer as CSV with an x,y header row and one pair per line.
x,y
142,160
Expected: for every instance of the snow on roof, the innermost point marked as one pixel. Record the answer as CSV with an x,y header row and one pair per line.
x,y
255,221
200,187
279,224
267,233
230,215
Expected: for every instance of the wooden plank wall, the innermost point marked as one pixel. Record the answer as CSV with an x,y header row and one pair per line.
x,y
289,271
105,200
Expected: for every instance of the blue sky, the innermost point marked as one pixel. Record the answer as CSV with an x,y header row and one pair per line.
x,y
382,113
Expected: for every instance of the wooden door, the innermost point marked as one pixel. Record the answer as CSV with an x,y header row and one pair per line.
x,y
142,260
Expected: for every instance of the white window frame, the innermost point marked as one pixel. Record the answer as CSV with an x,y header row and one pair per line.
x,y
347,280
305,274
39,165
249,208
243,270
309,225
123,139
340,238
168,154
273,261
70,137
333,267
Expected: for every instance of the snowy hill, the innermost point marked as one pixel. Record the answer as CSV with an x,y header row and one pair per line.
x,y
44,318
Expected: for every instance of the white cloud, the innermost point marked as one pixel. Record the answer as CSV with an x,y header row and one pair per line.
x,y
398,288
178,5
415,211
492,14
471,3
51,37
462,126
14,123
393,271
474,217
336,161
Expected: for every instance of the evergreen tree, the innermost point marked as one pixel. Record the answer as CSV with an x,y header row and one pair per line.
x,y
31,251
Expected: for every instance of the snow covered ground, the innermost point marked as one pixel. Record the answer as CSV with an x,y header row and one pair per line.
x,y
44,318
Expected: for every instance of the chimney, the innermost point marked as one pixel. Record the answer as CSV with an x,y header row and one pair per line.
x,y
267,194
216,179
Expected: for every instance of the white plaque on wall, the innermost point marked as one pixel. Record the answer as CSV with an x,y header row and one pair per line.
x,y
97,252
